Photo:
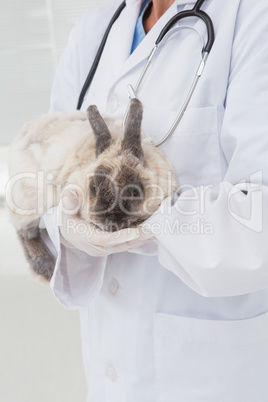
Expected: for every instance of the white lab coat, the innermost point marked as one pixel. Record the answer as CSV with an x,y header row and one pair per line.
x,y
183,318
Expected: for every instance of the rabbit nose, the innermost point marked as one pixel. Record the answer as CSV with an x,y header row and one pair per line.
x,y
116,215
103,209
113,220
114,226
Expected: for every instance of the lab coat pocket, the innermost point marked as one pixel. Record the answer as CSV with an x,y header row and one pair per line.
x,y
193,148
210,360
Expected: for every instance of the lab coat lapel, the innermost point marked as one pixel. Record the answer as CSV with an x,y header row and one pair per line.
x,y
120,38
144,48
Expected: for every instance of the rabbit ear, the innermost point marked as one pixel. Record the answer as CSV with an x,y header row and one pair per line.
x,y
100,129
132,134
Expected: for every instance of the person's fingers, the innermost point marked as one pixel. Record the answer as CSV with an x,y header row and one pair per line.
x,y
116,245
145,233
76,232
70,202
110,239
93,249
122,247
65,242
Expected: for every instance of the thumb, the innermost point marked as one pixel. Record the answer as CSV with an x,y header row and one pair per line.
x,y
70,202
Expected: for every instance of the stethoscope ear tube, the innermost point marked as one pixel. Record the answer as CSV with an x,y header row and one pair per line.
x,y
191,13
210,30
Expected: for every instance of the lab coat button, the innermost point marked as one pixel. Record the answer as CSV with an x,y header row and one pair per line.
x,y
113,286
111,373
113,104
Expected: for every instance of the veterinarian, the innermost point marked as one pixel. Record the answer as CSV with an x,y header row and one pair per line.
x,y
183,316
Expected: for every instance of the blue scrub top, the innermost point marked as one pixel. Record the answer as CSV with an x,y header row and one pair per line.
x,y
139,33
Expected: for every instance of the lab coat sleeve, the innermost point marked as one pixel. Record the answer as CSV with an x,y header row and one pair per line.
x,y
216,239
77,277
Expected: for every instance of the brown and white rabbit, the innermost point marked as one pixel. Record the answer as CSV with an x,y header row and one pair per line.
x,y
121,176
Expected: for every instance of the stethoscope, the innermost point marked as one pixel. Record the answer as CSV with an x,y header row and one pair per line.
x,y
132,92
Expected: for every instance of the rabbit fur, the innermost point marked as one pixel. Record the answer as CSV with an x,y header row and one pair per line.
x,y
119,176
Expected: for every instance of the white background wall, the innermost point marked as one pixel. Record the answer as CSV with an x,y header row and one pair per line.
x,y
40,350
33,34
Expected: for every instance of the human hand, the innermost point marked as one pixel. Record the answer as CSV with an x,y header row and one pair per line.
x,y
77,233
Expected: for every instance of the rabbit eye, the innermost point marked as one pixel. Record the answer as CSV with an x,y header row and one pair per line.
x,y
93,187
135,192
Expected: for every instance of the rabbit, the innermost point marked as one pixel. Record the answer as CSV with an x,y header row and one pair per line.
x,y
121,177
